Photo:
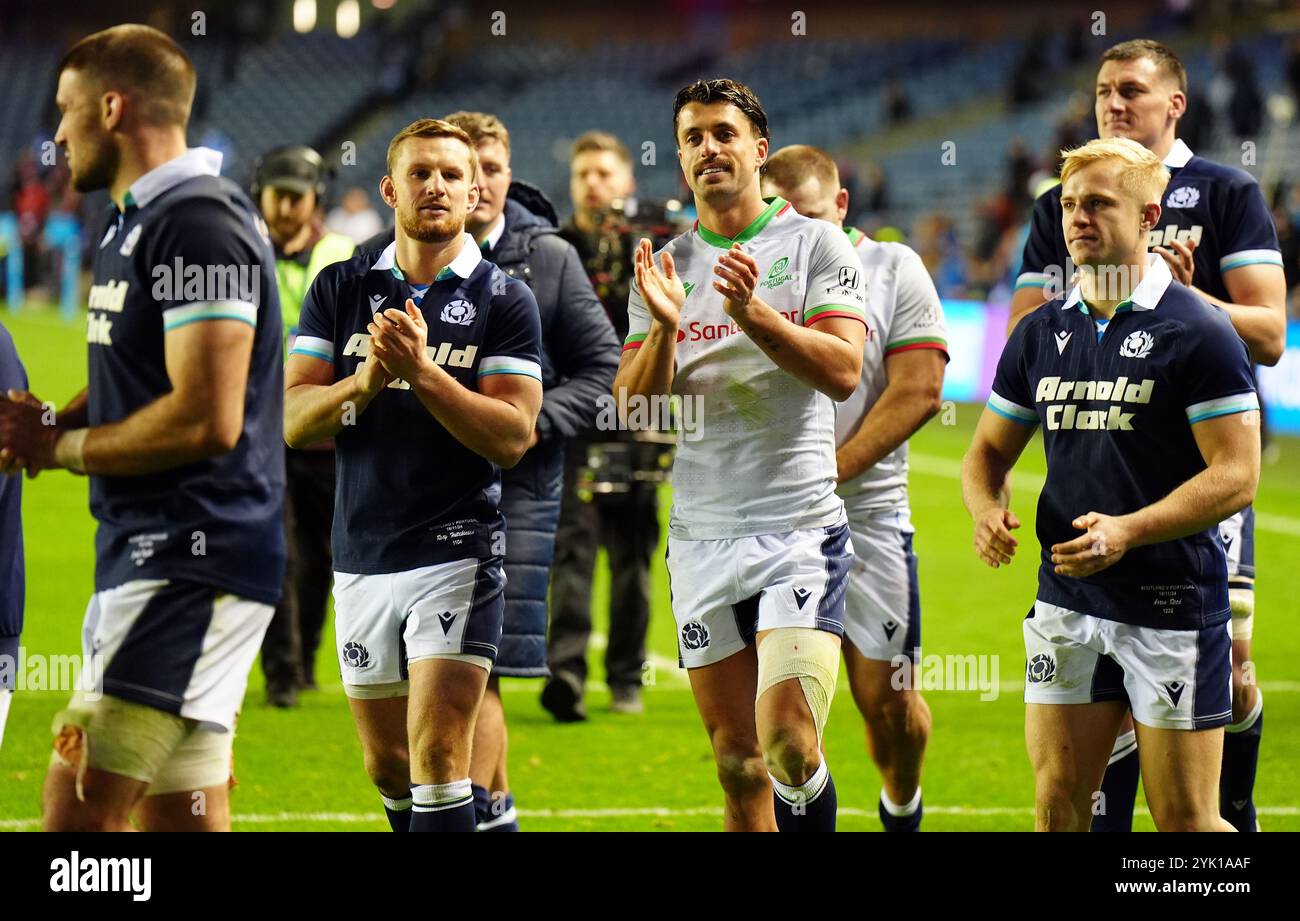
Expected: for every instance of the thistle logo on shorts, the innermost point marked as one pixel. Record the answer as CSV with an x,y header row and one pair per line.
x,y
694,635
1042,669
1175,689
460,311
1137,345
355,656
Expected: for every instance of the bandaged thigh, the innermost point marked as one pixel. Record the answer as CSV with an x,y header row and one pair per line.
x,y
116,736
812,657
202,760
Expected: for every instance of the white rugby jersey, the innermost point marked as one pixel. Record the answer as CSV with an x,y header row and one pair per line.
x,y
764,461
903,312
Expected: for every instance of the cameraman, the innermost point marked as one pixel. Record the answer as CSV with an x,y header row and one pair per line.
x,y
289,188
627,523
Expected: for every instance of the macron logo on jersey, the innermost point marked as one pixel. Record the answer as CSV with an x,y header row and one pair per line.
x,y
1068,416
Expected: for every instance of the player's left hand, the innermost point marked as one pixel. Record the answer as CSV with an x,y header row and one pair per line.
x,y
26,440
739,274
1178,256
399,339
1103,546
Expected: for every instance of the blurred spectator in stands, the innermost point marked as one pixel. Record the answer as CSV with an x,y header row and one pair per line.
x,y
29,200
1246,104
898,107
1293,69
936,243
1020,166
355,217
1196,127
1076,127
1027,77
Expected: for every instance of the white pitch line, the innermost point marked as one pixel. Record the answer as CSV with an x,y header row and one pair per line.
x,y
951,469
661,812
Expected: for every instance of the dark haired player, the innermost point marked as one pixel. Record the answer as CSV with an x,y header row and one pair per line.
x,y
426,403
179,431
759,313
1217,236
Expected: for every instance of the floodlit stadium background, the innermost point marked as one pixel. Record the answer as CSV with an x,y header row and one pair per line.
x,y
943,119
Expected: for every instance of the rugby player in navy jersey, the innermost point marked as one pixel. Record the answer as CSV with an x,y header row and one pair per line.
x,y
1151,430
179,431
1217,236
422,361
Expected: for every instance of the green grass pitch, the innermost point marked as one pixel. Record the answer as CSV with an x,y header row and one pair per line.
x,y
301,769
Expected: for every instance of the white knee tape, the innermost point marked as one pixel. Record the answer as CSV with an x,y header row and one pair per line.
x,y
812,656
1242,601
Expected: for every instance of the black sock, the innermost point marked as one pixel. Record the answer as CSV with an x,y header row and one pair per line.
x,y
398,812
494,814
1240,759
810,806
900,818
1119,787
442,807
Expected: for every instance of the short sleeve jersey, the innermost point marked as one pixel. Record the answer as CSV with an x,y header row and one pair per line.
x,y
903,314
1219,207
1117,412
12,580
188,247
409,494
764,461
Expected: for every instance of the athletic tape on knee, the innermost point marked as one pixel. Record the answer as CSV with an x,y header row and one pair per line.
x,y
1242,601
812,656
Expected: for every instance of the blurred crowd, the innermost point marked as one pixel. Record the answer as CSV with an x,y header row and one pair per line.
x,y
973,256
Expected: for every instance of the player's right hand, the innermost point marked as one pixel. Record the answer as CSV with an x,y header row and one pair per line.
x,y
662,291
993,540
372,376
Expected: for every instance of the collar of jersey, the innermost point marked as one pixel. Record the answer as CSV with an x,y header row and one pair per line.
x,y
495,234
463,265
775,207
197,161
1178,155
1145,296
855,235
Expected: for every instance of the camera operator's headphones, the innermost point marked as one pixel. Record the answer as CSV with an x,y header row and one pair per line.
x,y
294,166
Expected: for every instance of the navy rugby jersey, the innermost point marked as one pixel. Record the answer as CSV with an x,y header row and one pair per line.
x,y
1220,207
12,579
188,247
409,494
1117,413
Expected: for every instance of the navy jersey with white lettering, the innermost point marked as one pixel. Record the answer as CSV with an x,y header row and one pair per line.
x,y
1117,414
12,579
1220,207
188,247
409,493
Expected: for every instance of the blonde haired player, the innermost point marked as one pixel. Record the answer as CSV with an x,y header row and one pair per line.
x,y
1140,389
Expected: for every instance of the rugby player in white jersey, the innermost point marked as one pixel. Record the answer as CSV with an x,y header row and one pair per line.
x,y
902,379
758,316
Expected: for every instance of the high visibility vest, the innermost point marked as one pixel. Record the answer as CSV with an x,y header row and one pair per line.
x,y
295,279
